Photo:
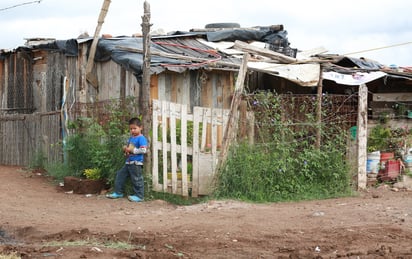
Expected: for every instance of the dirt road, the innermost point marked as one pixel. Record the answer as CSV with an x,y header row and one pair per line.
x,y
38,220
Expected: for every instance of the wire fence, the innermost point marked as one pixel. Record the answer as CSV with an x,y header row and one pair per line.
x,y
298,115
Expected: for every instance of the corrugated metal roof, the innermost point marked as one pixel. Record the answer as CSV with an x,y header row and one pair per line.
x,y
193,50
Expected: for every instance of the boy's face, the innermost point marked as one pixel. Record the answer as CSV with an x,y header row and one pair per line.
x,y
135,130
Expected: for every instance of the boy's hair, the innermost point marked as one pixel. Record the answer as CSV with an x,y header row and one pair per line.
x,y
135,121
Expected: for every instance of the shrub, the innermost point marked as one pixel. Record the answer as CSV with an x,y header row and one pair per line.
x,y
285,164
93,147
92,173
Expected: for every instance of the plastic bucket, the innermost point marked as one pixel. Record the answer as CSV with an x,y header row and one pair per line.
x,y
372,162
386,156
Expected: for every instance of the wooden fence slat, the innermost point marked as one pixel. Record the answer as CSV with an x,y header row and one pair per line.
x,y
173,155
164,144
197,118
214,122
183,144
22,135
1,141
204,130
155,154
10,143
2,137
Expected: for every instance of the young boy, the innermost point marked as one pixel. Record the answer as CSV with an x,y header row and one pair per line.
x,y
134,151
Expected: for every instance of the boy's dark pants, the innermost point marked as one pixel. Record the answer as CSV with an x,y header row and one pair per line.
x,y
135,172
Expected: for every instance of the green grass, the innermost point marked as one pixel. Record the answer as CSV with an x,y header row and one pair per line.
x,y
96,243
10,256
176,199
278,173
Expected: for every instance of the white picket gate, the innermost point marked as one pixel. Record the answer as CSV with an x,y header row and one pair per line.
x,y
185,147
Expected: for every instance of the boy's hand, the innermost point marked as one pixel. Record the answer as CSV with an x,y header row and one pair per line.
x,y
125,150
128,149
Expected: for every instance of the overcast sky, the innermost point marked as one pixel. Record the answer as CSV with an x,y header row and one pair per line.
x,y
342,27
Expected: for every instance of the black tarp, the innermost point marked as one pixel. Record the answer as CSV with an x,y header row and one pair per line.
x,y
264,35
119,50
67,47
359,62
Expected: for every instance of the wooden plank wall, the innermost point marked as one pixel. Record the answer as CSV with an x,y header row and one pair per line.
x,y
114,82
3,84
210,89
23,137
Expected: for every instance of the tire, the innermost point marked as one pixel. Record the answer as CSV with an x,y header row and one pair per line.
x,y
222,25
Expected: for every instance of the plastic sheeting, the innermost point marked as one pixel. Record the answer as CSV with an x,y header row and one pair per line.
x,y
359,62
268,36
356,78
115,49
68,47
301,74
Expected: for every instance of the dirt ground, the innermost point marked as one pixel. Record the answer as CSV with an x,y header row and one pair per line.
x,y
39,220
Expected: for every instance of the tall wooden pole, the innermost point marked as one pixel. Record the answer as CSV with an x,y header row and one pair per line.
x,y
362,135
319,111
145,104
90,77
233,122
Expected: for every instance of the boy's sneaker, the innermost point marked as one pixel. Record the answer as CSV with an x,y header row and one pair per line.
x,y
134,198
114,195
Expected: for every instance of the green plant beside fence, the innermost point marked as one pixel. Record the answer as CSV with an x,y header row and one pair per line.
x,y
94,145
285,164
267,173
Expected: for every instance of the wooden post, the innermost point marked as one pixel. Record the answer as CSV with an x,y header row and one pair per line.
x,y
243,120
319,111
92,78
232,124
145,105
362,135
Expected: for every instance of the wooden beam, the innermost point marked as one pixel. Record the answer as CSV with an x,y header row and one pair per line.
x,y
362,135
392,97
264,52
92,78
319,111
145,98
232,124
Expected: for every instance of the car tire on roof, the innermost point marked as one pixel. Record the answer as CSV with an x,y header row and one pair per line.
x,y
222,25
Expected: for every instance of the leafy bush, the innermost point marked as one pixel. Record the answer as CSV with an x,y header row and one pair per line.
x,y
379,138
95,144
285,164
275,173
58,170
92,173
38,160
